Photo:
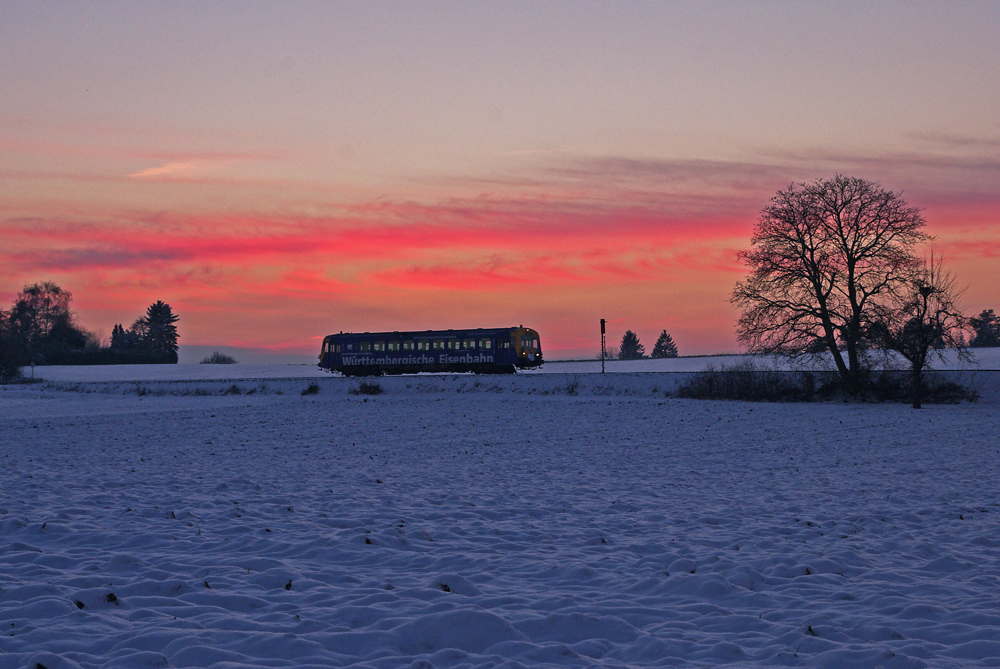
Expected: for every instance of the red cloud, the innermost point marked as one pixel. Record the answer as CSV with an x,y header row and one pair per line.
x,y
578,237
410,231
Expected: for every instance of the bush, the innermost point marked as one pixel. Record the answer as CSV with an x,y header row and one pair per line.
x,y
745,381
896,386
219,359
748,382
366,388
311,389
10,371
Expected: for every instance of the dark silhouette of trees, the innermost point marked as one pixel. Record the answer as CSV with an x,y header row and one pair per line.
x,y
664,347
41,329
122,339
986,329
152,338
11,356
925,320
825,258
218,358
160,336
630,348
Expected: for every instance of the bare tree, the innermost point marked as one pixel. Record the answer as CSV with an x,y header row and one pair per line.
x,y
925,320
825,255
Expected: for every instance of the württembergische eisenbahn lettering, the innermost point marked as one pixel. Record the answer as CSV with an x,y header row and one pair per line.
x,y
484,351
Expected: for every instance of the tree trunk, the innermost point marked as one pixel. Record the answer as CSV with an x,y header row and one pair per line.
x,y
854,372
918,384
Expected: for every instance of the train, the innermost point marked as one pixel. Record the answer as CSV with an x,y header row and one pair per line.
x,y
481,351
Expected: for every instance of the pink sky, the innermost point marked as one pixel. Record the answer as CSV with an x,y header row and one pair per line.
x,y
277,174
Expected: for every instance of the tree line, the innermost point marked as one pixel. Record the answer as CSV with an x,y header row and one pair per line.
x,y
41,329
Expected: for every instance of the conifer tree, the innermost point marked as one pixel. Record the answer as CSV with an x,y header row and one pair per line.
x,y
120,340
665,347
158,332
986,328
630,348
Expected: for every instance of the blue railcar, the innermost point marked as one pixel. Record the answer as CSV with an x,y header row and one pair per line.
x,y
483,351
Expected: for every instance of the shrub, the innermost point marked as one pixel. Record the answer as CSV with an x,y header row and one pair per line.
x,y
366,388
311,389
896,386
748,382
218,358
9,373
745,381
232,390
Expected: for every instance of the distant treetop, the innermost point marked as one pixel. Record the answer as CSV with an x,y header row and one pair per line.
x,y
630,348
664,347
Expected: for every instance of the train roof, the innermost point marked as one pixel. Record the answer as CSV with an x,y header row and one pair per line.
x,y
429,333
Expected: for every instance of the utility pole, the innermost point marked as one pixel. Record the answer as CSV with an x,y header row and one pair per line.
x,y
602,346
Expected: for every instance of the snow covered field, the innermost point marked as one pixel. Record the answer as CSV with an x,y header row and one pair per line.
x,y
457,521
985,359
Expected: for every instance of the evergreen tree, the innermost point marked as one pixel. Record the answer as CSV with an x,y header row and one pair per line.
x,y
119,340
157,332
630,348
987,329
665,347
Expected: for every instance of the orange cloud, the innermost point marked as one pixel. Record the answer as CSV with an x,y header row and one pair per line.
x,y
170,169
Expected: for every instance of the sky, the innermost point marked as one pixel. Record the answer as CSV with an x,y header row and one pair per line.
x,y
280,171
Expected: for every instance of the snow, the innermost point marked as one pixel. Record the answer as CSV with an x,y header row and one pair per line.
x,y
190,372
983,358
565,520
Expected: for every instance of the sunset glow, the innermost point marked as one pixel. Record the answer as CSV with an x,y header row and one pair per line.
x,y
278,173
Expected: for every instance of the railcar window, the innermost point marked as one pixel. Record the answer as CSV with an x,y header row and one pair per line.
x,y
407,345
394,346
469,343
423,345
505,344
350,347
365,346
454,344
379,346
439,345
485,343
